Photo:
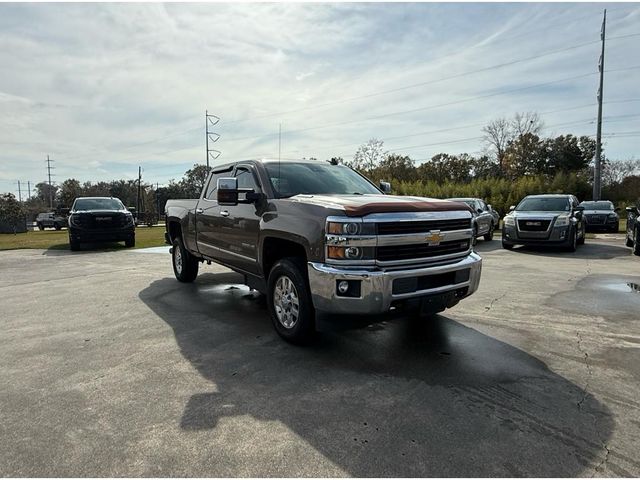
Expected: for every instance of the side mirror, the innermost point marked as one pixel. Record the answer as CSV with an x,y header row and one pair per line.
x,y
228,191
578,214
480,210
385,186
512,208
133,211
633,210
489,207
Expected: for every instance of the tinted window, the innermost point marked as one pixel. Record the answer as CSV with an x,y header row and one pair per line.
x,y
288,179
246,179
98,204
213,184
597,205
544,204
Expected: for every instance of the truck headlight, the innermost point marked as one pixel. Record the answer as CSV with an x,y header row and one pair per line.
x,y
509,221
562,221
350,253
350,228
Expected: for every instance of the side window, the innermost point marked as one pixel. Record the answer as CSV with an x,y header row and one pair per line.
x,y
246,179
482,205
213,184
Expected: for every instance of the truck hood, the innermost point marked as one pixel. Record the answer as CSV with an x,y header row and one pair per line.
x,y
359,205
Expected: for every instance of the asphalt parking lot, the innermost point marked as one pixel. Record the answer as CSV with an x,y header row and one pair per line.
x,y
110,367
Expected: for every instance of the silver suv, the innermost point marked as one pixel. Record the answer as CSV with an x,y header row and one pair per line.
x,y
50,220
545,220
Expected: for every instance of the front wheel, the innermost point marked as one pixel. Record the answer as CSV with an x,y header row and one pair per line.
x,y
57,226
507,245
573,241
185,265
130,242
582,238
629,240
636,242
289,301
489,235
74,245
40,226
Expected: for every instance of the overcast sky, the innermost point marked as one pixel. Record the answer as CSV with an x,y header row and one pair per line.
x,y
103,88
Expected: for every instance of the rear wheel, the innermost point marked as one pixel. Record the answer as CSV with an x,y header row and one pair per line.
x,y
489,235
185,265
74,245
289,301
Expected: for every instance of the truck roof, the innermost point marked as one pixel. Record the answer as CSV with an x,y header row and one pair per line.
x,y
227,165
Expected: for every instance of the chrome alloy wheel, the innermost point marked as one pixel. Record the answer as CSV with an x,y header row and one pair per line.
x,y
177,259
285,302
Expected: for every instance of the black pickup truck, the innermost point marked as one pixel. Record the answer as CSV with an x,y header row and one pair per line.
x,y
316,236
100,219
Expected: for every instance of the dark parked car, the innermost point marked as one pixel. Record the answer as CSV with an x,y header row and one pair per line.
x,y
50,220
484,221
601,215
100,219
633,229
545,220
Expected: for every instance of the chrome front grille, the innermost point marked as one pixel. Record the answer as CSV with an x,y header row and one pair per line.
x,y
406,239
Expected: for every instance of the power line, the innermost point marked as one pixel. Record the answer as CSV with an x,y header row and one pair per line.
x,y
430,82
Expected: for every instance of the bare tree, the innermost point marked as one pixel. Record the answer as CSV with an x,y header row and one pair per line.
x,y
528,122
615,171
497,135
369,155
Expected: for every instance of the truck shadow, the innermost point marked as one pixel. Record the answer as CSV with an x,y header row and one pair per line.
x,y
398,398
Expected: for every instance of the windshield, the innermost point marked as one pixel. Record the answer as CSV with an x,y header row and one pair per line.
x,y
544,204
98,204
288,179
471,203
597,205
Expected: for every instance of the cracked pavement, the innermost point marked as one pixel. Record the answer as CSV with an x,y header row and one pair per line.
x,y
110,367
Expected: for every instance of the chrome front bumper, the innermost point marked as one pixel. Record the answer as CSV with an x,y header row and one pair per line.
x,y
376,286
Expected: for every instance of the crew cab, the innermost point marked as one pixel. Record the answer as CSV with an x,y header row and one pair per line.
x,y
554,220
100,219
315,236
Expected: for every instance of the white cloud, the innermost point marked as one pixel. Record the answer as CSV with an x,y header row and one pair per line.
x,y
105,87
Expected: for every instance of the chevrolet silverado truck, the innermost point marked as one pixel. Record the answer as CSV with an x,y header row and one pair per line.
x,y
315,236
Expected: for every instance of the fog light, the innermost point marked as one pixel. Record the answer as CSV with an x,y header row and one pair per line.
x,y
343,286
353,252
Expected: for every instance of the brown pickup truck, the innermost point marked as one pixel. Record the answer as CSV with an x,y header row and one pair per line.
x,y
314,236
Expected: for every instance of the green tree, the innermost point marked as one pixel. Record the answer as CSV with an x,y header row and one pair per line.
x,y
369,155
70,189
12,219
193,181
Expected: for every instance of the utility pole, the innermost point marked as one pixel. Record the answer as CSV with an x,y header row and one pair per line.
x,y
50,188
19,193
211,120
29,189
597,170
138,199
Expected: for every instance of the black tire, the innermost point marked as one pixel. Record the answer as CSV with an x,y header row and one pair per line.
x,y
185,265
572,243
489,235
636,242
57,226
583,238
628,241
130,242
40,226
74,246
289,276
507,245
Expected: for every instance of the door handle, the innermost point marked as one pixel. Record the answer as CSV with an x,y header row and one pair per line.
x,y
224,213
199,210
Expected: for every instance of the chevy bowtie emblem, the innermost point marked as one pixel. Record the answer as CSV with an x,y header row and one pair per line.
x,y
434,237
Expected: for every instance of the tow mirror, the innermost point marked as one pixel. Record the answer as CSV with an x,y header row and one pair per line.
x,y
228,191
489,207
385,186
